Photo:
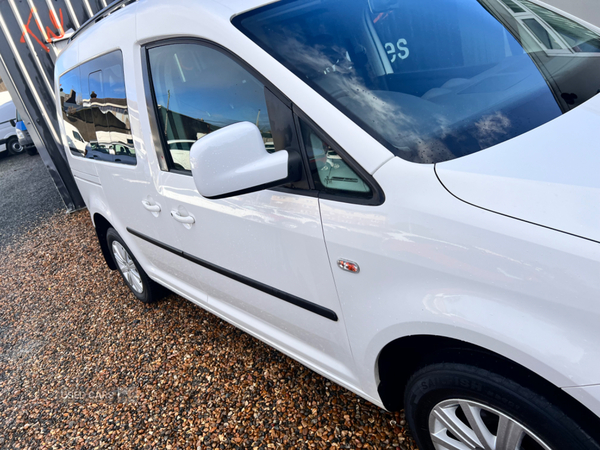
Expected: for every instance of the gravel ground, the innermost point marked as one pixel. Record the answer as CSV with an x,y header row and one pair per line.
x,y
27,195
83,364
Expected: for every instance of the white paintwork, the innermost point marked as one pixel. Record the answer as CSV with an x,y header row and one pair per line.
x,y
588,395
555,183
431,264
7,112
436,265
5,97
241,6
234,158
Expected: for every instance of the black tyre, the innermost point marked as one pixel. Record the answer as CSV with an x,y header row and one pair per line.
x,y
13,146
457,406
134,276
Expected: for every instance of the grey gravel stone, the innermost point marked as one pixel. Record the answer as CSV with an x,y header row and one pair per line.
x,y
76,374
27,195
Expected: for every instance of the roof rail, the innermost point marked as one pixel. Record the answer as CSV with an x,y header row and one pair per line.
x,y
102,14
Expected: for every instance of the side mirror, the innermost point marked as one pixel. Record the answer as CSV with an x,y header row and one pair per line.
x,y
233,161
13,122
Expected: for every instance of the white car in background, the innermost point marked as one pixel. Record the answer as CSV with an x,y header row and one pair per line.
x,y
9,142
402,195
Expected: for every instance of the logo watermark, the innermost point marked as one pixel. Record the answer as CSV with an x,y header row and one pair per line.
x,y
98,395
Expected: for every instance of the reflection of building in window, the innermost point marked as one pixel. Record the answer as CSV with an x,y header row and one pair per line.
x,y
183,131
97,126
557,34
565,51
110,114
183,127
199,90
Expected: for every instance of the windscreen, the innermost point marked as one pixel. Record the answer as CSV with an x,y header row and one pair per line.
x,y
434,80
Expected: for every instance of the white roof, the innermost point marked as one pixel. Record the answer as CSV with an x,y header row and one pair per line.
x,y
4,97
241,6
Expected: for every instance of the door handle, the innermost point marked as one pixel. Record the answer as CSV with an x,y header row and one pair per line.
x,y
152,207
186,220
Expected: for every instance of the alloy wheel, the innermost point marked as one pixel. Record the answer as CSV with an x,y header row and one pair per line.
x,y
127,267
458,424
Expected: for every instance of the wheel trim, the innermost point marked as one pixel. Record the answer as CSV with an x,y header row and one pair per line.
x,y
16,147
449,432
127,267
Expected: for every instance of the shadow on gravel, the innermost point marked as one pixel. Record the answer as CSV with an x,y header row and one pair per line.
x,y
83,364
27,195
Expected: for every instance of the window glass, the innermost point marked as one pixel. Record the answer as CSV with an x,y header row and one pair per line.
x,y
577,37
199,90
513,6
541,33
95,111
329,171
74,117
100,145
433,80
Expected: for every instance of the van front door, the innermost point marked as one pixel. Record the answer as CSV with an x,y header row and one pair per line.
x,y
113,178
261,257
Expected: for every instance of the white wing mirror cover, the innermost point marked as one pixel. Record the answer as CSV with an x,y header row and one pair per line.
x,y
233,161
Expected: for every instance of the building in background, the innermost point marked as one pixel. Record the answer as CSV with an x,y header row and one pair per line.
x,y
588,10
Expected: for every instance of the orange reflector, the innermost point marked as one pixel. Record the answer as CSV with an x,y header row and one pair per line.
x,y
348,265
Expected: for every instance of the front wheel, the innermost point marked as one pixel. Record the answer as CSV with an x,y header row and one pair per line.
x,y
134,276
453,406
13,146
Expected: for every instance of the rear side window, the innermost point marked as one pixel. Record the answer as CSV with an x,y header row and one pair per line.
x,y
198,90
438,79
95,113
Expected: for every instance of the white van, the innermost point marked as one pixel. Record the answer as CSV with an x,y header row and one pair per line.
x,y
8,134
401,195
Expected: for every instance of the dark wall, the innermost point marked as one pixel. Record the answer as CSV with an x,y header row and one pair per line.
x,y
27,68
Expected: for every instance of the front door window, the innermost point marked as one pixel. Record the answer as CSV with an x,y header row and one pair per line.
x,y
198,90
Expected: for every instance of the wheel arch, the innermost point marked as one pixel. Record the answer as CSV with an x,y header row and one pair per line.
x,y
101,224
401,358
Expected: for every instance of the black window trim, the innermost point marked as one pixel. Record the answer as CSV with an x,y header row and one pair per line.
x,y
377,195
291,122
164,156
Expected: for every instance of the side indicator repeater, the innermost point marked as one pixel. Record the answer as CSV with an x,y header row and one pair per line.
x,y
348,265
